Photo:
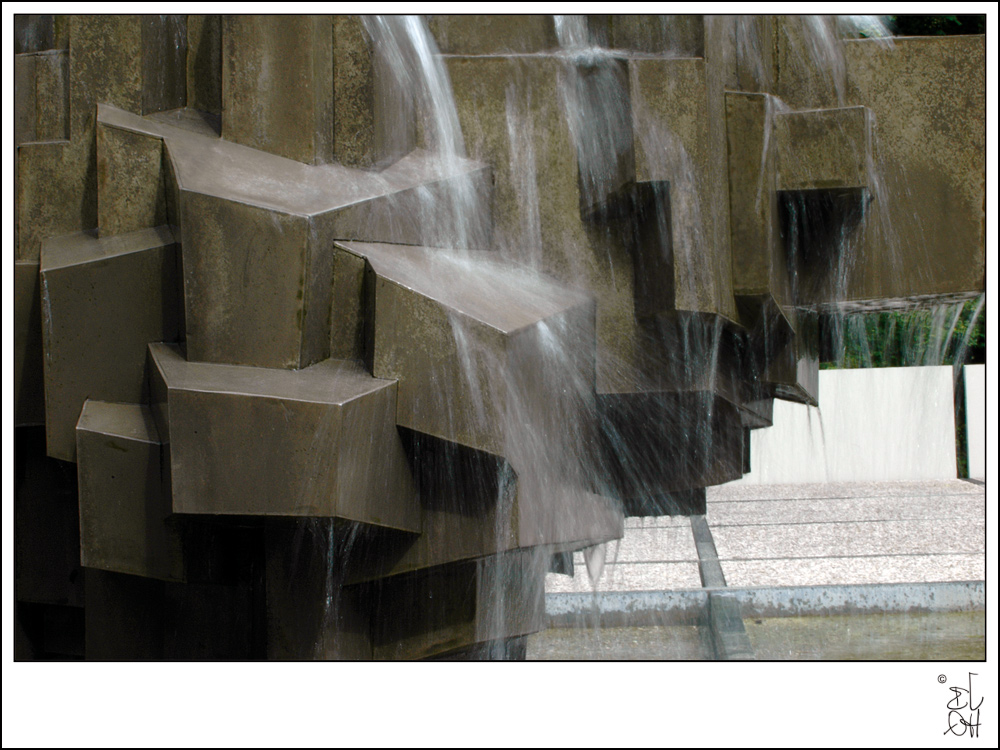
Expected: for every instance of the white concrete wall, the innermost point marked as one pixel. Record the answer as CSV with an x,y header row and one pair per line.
x,y
975,418
878,424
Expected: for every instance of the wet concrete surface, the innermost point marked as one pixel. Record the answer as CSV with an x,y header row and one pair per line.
x,y
932,636
937,636
670,643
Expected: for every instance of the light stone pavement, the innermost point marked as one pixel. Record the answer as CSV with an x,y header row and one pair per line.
x,y
805,535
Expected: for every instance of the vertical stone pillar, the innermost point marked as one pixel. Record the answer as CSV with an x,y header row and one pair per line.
x,y
277,85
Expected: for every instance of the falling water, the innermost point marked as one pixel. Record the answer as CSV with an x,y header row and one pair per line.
x,y
412,56
550,467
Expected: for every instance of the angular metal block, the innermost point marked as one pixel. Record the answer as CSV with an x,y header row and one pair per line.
x,y
605,141
453,607
782,351
321,441
657,443
124,617
164,62
512,114
129,61
257,232
29,388
473,504
103,301
925,94
104,68
792,359
125,523
246,278
131,188
278,85
246,273
448,211
757,413
672,100
760,265
452,331
824,149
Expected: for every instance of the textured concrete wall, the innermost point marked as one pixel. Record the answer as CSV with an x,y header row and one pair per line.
x,y
878,424
975,418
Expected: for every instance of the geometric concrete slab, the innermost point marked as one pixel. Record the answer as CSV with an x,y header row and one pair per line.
x,y
760,267
103,301
137,619
472,506
311,614
125,523
321,441
823,149
257,232
376,119
932,156
657,444
878,424
49,180
288,110
131,187
457,331
481,605
679,121
41,87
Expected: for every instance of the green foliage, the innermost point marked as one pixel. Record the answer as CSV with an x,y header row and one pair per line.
x,y
937,25
944,335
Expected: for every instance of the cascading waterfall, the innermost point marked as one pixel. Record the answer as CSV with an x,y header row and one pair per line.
x,y
433,303
598,111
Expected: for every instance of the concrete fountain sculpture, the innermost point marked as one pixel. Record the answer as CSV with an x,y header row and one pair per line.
x,y
351,326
